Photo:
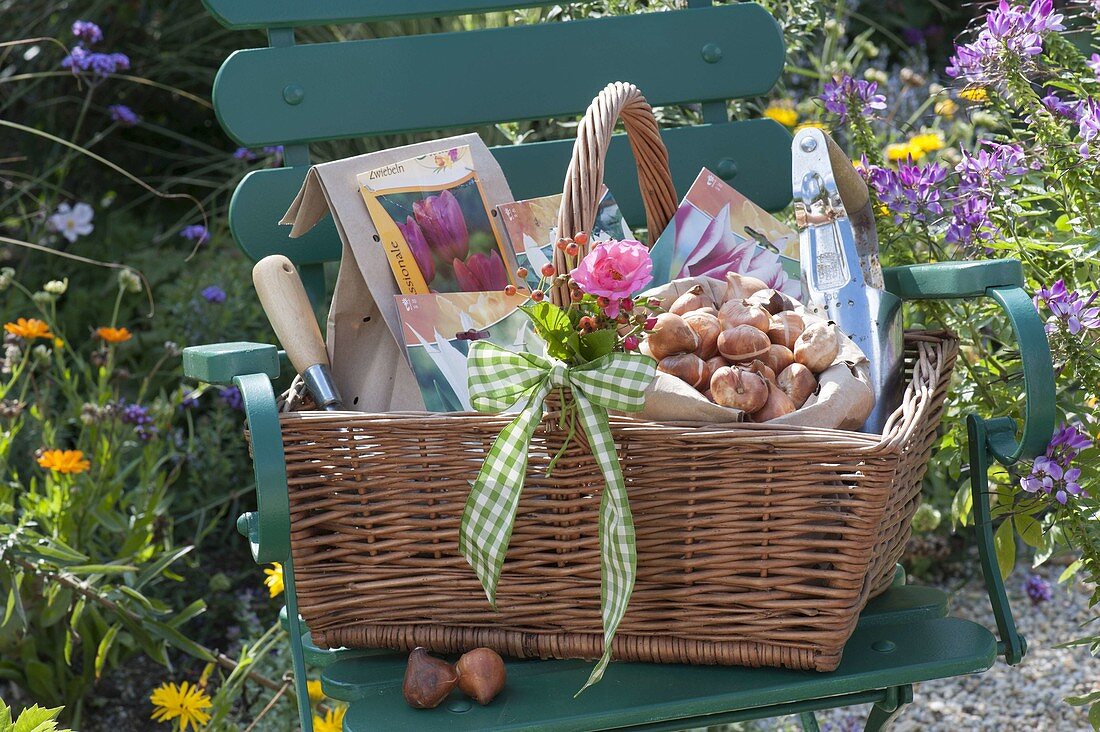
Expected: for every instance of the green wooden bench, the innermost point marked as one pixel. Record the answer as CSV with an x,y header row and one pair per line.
x,y
297,94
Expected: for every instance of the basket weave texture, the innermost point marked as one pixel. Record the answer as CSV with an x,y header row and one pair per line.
x,y
756,545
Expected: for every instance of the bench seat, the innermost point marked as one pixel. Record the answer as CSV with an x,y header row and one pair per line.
x,y
903,637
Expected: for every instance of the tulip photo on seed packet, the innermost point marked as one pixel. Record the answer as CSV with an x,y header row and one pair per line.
x,y
717,230
436,227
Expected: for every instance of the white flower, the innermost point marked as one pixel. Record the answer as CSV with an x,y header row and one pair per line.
x,y
72,222
56,287
128,280
7,276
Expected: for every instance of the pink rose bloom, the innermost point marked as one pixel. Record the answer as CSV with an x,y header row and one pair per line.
x,y
615,270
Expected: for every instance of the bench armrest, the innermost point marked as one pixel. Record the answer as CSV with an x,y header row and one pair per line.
x,y
251,367
1003,281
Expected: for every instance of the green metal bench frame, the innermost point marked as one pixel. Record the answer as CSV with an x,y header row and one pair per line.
x,y
287,94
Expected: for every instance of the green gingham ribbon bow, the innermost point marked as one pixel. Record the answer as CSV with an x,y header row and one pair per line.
x,y
500,379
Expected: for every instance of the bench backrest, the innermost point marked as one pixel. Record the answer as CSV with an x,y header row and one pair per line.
x,y
293,95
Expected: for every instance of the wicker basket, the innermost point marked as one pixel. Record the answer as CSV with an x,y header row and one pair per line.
x,y
757,545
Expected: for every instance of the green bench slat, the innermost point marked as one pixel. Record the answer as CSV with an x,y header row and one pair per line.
x,y
449,80
242,14
539,694
351,681
538,169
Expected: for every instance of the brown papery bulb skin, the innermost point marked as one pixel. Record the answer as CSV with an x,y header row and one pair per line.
x,y
739,389
771,300
777,405
763,370
481,674
708,311
708,329
785,328
671,335
817,347
716,362
778,358
797,382
736,312
428,680
739,286
743,343
691,300
685,366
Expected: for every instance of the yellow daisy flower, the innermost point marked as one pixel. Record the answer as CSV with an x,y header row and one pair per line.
x,y
782,112
901,151
29,328
976,94
68,462
946,108
927,142
114,335
315,693
185,702
274,579
333,721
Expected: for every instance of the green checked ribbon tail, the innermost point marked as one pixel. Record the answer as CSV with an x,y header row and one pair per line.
x,y
501,379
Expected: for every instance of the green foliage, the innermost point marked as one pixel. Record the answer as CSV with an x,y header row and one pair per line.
x,y
32,719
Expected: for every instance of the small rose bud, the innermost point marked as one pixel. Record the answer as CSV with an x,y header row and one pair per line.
x,y
576,295
603,302
538,295
548,270
572,249
581,237
562,244
630,343
623,319
653,303
521,273
587,324
650,323
510,290
627,304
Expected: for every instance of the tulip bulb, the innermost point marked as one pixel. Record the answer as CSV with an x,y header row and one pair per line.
x,y
481,674
797,382
771,300
785,328
685,366
817,347
777,404
736,312
778,358
743,343
428,680
739,286
763,370
691,300
708,329
670,336
737,388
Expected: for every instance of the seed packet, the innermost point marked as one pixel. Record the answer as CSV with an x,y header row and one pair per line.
x,y
717,230
435,224
531,227
437,330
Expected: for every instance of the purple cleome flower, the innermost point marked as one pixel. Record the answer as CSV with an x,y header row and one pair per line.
x,y
1094,64
243,153
1052,473
841,94
1088,124
1058,107
195,232
100,65
123,115
1038,589
1011,35
87,31
213,294
140,418
189,402
276,153
912,190
231,396
1075,309
981,175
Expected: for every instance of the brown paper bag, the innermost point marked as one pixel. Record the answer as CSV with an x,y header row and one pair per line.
x,y
843,401
369,363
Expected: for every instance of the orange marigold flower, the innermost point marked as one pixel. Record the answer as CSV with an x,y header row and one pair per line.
x,y
114,335
29,328
64,461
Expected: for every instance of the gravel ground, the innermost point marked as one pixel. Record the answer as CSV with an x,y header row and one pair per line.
x,y
1024,697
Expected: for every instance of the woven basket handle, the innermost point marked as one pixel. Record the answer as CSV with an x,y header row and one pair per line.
x,y
580,197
